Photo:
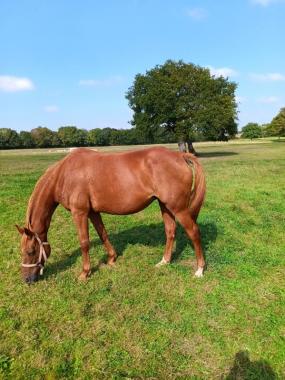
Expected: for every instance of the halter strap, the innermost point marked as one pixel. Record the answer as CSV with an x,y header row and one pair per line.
x,y
42,255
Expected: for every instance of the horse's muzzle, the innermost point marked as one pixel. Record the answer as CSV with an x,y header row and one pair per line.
x,y
31,279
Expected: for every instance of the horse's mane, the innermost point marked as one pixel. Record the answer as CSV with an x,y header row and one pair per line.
x,y
40,187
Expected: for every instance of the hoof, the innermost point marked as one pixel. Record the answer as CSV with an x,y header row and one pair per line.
x,y
162,262
199,272
83,276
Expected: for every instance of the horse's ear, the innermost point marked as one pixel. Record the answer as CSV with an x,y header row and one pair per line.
x,y
20,229
24,230
28,232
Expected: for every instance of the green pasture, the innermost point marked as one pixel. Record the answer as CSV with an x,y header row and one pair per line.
x,y
135,321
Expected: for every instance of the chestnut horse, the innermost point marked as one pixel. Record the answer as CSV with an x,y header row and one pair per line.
x,y
87,183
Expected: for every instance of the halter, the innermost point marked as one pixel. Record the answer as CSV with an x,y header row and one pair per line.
x,y
42,255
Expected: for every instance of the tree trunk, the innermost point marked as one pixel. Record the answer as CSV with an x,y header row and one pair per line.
x,y
182,146
191,148
186,146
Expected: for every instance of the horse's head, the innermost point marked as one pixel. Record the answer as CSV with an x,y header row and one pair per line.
x,y
34,254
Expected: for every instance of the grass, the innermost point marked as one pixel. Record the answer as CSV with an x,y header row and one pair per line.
x,y
135,321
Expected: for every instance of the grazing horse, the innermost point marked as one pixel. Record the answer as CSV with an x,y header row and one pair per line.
x,y
87,183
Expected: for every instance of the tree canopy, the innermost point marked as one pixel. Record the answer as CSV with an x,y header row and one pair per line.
x,y
185,99
26,139
43,137
277,125
72,136
9,138
251,131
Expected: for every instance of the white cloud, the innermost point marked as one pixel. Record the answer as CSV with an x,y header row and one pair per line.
x,y
51,108
265,3
14,84
107,82
197,13
222,71
269,100
274,77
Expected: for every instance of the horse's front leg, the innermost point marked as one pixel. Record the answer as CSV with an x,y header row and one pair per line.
x,y
81,221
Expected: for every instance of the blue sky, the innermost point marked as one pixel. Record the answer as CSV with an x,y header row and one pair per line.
x,y
71,62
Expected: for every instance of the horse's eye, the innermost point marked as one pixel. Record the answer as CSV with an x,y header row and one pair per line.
x,y
31,253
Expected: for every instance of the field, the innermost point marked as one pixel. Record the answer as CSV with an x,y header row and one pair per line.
x,y
135,321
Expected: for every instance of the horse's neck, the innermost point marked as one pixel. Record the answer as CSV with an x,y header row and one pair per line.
x,y
41,208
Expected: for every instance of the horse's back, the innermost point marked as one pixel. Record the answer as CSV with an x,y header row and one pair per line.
x,y
124,182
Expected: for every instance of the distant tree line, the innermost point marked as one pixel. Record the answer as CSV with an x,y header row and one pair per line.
x,y
174,102
71,136
275,128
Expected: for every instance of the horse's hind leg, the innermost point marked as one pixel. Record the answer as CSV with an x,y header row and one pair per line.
x,y
81,221
170,228
193,232
100,228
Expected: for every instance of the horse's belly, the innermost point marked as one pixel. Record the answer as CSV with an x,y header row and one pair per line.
x,y
121,203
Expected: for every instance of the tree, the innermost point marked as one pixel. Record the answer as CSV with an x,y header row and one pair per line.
x,y
184,99
251,131
129,137
100,137
265,130
9,138
82,135
71,136
92,137
277,125
56,142
26,139
42,136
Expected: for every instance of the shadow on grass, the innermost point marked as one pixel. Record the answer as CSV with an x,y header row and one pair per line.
x,y
278,141
245,369
151,235
215,154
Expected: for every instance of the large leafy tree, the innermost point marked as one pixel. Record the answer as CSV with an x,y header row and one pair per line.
x,y
185,99
251,131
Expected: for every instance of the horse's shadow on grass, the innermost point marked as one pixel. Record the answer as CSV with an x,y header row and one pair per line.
x,y
245,369
215,154
150,235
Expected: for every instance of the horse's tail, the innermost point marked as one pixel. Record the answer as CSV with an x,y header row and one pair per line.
x,y
198,190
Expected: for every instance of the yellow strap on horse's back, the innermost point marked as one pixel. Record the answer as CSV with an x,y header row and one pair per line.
x,y
191,165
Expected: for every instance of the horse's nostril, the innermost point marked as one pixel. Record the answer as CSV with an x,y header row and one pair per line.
x,y
33,278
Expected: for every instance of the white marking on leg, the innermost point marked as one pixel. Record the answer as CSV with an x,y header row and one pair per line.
x,y
199,272
162,262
